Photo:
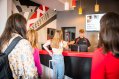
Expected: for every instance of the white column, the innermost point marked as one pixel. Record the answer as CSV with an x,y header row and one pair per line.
x,y
9,7
6,9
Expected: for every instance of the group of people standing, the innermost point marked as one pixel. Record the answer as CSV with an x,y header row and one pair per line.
x,y
24,59
105,60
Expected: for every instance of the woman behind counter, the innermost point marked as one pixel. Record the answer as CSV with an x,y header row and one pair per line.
x,y
57,45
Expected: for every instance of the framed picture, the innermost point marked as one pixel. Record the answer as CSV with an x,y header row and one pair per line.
x,y
93,22
50,33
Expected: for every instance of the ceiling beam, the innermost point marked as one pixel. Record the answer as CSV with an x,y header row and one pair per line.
x,y
53,4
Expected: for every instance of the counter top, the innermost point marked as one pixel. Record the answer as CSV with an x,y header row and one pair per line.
x,y
71,53
77,64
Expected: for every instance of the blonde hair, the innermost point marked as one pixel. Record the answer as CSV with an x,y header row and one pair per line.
x,y
56,39
32,36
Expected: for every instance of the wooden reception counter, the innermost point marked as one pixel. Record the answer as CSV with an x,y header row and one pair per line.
x,y
77,64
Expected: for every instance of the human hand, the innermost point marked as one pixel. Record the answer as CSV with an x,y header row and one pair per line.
x,y
51,55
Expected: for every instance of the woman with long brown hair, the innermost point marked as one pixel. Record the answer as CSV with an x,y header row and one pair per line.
x,y
105,61
57,45
32,36
21,57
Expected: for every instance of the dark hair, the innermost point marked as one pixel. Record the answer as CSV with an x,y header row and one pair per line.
x,y
16,23
109,33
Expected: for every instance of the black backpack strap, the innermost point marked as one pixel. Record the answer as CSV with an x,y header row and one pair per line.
x,y
12,45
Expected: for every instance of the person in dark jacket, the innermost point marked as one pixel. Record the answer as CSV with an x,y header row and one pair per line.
x,y
82,41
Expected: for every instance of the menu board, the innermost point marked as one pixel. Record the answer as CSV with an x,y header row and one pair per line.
x,y
93,22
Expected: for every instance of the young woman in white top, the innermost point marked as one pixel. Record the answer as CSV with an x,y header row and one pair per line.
x,y
57,45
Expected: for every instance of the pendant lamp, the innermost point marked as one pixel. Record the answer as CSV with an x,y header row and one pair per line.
x,y
73,3
66,5
80,9
96,7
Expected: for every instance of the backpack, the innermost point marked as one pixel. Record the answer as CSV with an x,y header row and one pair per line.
x,y
5,71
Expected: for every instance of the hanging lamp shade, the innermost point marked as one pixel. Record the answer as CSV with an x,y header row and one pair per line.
x,y
66,5
96,8
80,10
73,3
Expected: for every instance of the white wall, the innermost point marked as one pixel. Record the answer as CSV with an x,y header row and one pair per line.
x,y
6,7
15,10
43,32
3,14
70,19
9,7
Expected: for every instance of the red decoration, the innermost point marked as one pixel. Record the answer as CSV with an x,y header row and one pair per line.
x,y
73,3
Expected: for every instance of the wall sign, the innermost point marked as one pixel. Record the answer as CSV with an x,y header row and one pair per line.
x,y
93,22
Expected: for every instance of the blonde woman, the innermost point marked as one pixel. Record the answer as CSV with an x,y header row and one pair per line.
x,y
33,38
57,45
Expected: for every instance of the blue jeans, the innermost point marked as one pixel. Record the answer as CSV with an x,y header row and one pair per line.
x,y
58,66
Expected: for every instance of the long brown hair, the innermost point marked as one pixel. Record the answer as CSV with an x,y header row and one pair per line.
x,y
109,33
56,39
16,23
32,36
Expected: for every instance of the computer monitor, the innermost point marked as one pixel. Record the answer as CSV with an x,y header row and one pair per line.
x,y
79,48
74,47
83,48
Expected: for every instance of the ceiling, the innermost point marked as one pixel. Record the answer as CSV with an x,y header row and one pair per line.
x,y
54,4
28,3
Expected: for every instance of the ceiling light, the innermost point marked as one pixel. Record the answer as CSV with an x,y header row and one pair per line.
x,y
96,7
73,3
66,5
80,9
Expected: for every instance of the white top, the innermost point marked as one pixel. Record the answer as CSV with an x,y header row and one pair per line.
x,y
59,50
